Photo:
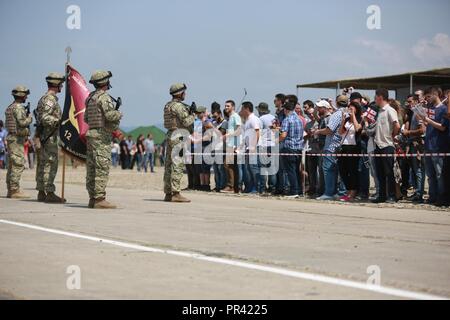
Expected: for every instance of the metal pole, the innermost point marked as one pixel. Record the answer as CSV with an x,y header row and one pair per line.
x,y
338,88
63,180
411,86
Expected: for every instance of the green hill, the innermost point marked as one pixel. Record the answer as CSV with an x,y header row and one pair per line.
x,y
158,134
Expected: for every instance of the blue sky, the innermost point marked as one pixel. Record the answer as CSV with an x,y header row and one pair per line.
x,y
217,47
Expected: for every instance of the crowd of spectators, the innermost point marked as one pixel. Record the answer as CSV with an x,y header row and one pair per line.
x,y
328,150
141,153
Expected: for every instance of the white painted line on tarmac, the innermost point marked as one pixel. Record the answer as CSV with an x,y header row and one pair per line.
x,y
246,265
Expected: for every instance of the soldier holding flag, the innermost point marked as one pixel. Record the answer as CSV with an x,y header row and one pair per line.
x,y
48,113
103,119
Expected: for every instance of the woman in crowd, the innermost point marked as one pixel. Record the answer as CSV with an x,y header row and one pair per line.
x,y
115,152
350,131
140,150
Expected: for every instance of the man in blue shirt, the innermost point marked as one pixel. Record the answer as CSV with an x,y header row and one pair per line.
x,y
332,141
436,141
291,138
232,140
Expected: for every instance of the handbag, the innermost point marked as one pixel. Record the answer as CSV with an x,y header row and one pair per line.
x,y
339,148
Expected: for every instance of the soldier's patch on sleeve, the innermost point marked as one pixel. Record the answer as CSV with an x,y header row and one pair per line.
x,y
49,102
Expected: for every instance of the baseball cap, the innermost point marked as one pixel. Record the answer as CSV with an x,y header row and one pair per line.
x,y
263,107
323,104
201,109
341,100
355,95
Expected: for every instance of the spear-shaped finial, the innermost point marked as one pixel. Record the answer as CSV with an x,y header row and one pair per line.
x,y
68,51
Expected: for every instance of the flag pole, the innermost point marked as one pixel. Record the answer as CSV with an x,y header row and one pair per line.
x,y
68,52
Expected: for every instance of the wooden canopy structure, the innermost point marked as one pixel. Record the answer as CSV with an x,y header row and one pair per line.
x,y
405,82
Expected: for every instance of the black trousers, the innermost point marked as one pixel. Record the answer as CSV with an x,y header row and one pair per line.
x,y
405,168
385,173
348,167
312,166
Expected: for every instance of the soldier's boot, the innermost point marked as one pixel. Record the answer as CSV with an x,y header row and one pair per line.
x,y
101,203
91,203
177,197
168,197
41,196
17,194
53,198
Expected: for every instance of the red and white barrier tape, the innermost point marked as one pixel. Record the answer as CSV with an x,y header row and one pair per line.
x,y
397,155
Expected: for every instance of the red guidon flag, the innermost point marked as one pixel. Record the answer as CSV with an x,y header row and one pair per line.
x,y
73,129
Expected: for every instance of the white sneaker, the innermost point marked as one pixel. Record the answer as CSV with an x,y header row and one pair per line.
x,y
325,198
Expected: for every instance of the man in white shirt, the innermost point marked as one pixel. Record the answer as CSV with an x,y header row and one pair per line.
x,y
251,136
386,129
265,145
149,145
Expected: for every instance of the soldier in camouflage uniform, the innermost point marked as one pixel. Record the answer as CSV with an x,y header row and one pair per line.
x,y
17,123
48,115
102,118
177,115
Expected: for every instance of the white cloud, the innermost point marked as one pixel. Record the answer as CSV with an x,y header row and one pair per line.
x,y
435,50
388,53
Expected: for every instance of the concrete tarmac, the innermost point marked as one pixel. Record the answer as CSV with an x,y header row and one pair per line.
x,y
409,246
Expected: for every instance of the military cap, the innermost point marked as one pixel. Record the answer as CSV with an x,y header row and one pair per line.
x,y
20,91
55,78
177,88
342,100
263,107
100,77
200,109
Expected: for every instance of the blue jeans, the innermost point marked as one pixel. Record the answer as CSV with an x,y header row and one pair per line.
x,y
114,159
251,174
148,159
138,161
220,176
291,167
418,172
330,172
242,175
433,167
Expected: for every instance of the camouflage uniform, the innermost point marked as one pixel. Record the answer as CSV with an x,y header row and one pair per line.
x,y
103,119
49,117
16,122
176,116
